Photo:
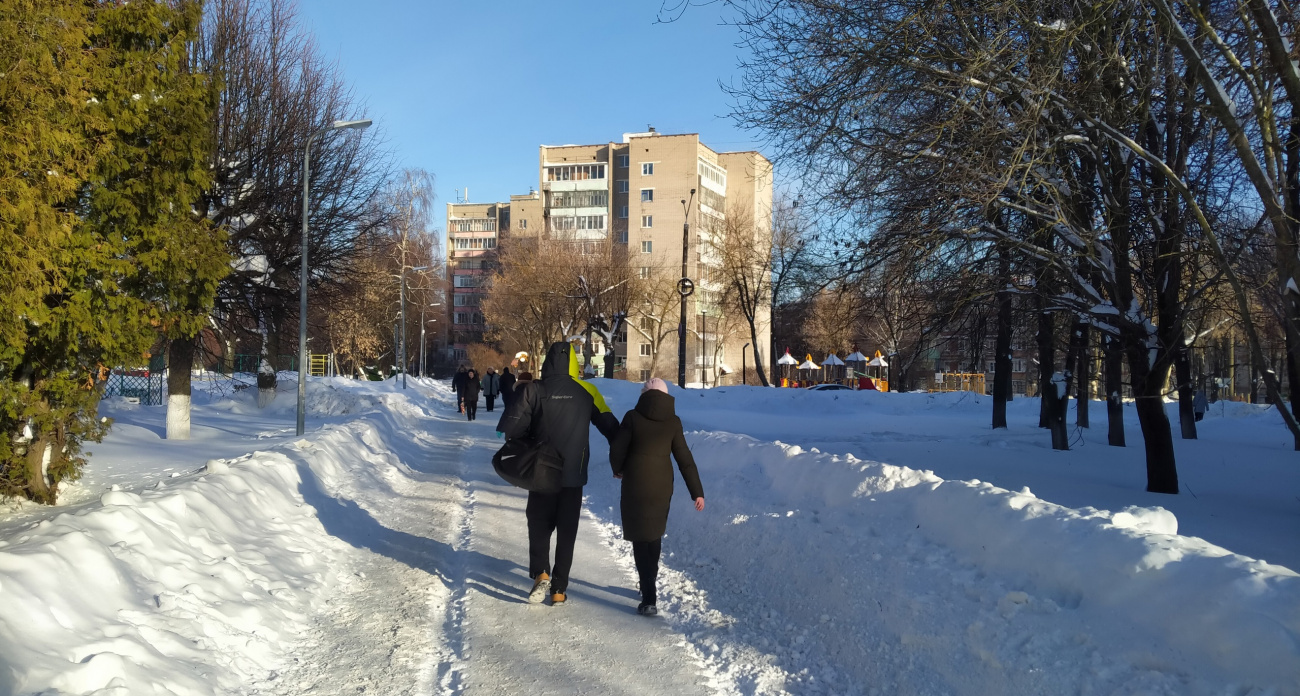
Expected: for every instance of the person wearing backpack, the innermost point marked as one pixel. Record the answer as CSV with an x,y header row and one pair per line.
x,y
491,387
558,409
639,455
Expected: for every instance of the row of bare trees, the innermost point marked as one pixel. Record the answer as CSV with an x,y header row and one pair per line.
x,y
1120,174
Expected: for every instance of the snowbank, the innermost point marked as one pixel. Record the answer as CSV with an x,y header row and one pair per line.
x,y
1128,569
194,586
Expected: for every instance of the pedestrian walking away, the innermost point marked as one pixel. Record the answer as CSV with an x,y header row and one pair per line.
x,y
491,387
1199,404
639,455
458,386
557,408
507,387
471,392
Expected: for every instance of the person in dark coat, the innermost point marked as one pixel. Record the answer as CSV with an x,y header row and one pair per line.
x,y
507,387
491,387
639,456
558,408
471,391
458,386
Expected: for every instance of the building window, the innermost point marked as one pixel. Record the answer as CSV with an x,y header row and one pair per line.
x,y
622,161
647,221
645,350
647,168
480,243
647,324
622,237
645,272
645,375
474,225
622,212
523,224
469,281
580,199
575,172
621,186
647,246
465,300
564,223
647,195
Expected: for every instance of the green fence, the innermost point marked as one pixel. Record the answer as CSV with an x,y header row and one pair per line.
x,y
145,384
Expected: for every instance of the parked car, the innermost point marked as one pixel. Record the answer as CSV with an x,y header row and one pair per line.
x,y
830,387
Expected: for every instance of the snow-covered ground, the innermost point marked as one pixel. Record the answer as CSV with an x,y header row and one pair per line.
x,y
852,543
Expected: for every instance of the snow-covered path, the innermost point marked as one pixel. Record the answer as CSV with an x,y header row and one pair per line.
x,y
437,600
380,554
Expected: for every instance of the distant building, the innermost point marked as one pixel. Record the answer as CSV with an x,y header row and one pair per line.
x,y
632,192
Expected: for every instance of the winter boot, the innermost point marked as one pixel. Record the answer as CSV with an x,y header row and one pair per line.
x,y
647,610
558,598
540,587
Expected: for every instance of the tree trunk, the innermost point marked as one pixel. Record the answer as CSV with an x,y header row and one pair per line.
x,y
1002,345
266,378
1148,391
1083,373
758,359
1046,358
180,360
1113,367
1186,392
1056,396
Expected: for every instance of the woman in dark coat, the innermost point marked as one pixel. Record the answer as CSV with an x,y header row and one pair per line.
x,y
471,389
639,456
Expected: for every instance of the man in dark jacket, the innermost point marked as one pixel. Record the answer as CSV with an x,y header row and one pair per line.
x,y
491,387
507,387
458,385
557,408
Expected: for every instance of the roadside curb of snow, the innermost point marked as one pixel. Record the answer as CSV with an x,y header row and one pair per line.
x,y
192,587
1239,613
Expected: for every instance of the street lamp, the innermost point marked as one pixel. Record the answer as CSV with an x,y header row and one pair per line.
x,y
684,288
401,299
423,325
704,326
302,280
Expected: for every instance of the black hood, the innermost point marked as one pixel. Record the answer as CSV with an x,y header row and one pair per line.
x,y
655,405
557,360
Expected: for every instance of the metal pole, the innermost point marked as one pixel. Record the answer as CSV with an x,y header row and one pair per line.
x,y
704,325
401,299
302,288
681,325
423,352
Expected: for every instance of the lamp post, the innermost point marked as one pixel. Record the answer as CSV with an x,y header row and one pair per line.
x,y
704,326
401,298
684,288
423,326
302,279
742,364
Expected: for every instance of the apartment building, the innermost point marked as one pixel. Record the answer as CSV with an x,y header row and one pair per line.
x,y
472,234
639,192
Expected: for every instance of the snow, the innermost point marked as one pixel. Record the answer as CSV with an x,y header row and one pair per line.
x,y
853,542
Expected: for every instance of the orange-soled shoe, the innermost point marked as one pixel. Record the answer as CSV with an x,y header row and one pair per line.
x,y
541,586
558,598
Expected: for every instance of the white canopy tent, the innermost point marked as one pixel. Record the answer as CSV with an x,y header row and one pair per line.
x,y
834,368
810,367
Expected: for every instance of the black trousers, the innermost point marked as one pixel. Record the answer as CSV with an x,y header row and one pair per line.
x,y
547,513
471,408
490,398
646,555
460,401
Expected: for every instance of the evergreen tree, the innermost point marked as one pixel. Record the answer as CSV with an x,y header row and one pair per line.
x,y
161,110
58,284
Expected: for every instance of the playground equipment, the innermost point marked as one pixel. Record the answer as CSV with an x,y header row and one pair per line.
x,y
959,381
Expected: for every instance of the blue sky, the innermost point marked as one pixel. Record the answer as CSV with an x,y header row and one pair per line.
x,y
468,90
